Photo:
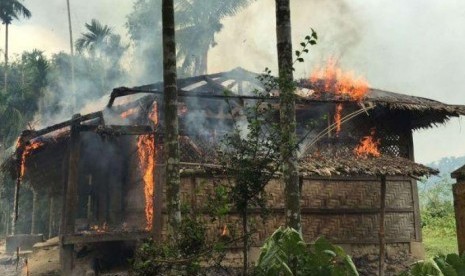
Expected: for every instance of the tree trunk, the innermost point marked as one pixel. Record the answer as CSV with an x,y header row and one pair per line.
x,y
287,115
203,67
171,118
6,60
71,46
245,249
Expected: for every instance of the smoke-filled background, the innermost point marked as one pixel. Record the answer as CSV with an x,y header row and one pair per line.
x,y
413,47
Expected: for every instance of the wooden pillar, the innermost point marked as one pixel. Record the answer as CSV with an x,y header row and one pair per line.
x,y
35,202
7,220
159,179
51,213
70,205
382,238
459,207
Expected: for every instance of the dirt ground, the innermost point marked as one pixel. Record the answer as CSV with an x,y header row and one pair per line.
x,y
44,262
8,266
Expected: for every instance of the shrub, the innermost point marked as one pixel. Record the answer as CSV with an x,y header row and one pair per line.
x,y
285,253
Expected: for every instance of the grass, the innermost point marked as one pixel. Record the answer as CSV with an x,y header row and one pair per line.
x,y
439,233
438,242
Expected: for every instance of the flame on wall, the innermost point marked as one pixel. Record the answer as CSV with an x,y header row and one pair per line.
x,y
330,79
27,151
368,146
146,152
337,118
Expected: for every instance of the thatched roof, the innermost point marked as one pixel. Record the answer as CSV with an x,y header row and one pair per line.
x,y
459,173
351,165
421,112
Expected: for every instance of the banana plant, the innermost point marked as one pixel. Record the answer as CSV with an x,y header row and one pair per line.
x,y
285,253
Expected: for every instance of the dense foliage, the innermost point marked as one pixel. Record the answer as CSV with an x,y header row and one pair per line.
x,y
437,216
442,265
286,253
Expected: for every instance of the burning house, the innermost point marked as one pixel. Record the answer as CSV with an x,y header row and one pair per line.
x,y
357,169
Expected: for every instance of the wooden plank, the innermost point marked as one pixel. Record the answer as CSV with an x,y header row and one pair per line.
x,y
459,207
35,210
414,186
328,211
104,237
117,130
159,180
34,134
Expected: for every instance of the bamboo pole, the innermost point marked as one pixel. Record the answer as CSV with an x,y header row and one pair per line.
x,y
382,238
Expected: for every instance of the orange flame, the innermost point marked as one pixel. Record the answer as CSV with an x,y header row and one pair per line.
x,y
153,114
146,151
27,151
225,231
337,118
100,229
129,112
369,145
332,79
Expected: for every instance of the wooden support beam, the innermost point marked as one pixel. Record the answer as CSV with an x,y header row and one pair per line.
x,y
117,130
67,251
459,208
51,214
159,179
35,202
28,135
382,236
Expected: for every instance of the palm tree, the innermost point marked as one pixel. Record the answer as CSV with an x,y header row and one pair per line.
x,y
287,114
9,10
105,49
197,23
95,39
171,118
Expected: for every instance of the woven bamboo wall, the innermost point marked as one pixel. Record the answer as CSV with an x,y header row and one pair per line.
x,y
345,210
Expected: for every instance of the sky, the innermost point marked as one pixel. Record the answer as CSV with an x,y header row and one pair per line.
x,y
413,47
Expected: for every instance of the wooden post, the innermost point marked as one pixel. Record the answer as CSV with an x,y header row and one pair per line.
x,y
159,176
7,220
89,200
382,238
51,214
459,207
34,211
70,205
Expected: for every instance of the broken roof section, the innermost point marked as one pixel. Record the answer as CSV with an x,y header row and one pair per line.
x,y
459,173
239,83
421,112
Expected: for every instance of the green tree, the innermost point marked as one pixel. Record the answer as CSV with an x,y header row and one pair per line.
x,y
9,10
287,114
198,21
251,157
145,19
102,50
28,76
